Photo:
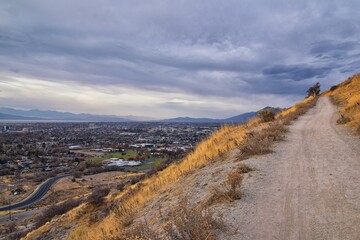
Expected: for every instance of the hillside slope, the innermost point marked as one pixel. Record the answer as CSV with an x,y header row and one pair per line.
x,y
347,96
306,189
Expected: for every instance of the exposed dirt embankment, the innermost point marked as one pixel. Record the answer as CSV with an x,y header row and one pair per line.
x,y
307,189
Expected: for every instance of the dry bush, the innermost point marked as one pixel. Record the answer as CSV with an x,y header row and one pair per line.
x,y
255,143
343,119
232,185
11,227
298,110
259,142
17,235
229,190
185,223
266,115
139,231
191,223
56,210
97,196
98,215
275,131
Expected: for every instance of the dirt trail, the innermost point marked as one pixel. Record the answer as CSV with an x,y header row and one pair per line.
x,y
309,188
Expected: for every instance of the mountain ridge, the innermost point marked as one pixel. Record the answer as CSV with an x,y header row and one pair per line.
x,y
36,114
241,118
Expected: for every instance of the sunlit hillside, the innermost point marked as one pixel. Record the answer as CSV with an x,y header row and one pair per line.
x,y
347,96
119,210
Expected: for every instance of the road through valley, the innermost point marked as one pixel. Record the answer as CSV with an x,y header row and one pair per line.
x,y
36,196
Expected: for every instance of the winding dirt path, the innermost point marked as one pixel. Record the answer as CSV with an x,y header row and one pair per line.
x,y
309,188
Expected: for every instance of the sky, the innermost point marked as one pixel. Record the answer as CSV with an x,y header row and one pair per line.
x,y
163,59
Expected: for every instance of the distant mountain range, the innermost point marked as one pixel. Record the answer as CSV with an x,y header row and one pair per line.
x,y
15,117
236,119
34,114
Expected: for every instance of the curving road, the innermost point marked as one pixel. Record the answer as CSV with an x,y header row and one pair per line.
x,y
36,196
309,188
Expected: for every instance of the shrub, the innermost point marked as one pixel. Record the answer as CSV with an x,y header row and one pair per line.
x,y
300,109
18,234
97,216
136,179
266,115
55,210
232,185
120,186
97,196
11,227
230,190
191,223
255,143
343,119
140,231
259,142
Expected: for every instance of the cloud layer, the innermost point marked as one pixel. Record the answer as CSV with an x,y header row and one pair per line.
x,y
173,58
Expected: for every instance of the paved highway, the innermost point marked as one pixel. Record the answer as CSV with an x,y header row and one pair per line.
x,y
36,196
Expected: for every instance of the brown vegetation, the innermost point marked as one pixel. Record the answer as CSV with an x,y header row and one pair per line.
x,y
56,210
230,189
185,222
191,223
291,114
97,196
347,96
266,115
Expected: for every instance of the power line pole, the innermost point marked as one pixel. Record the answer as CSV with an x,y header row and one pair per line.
x,y
10,208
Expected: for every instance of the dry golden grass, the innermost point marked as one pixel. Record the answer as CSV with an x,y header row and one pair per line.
x,y
300,108
347,96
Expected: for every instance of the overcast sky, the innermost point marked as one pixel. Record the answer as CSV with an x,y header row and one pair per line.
x,y
173,58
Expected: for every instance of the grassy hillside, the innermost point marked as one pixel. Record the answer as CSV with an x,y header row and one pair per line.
x,y
347,96
111,219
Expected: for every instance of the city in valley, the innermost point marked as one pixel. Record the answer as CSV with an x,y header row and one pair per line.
x,y
70,160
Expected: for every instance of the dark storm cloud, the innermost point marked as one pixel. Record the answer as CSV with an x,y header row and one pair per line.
x,y
334,49
211,48
296,72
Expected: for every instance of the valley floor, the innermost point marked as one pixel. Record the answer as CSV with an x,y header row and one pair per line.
x,y
307,189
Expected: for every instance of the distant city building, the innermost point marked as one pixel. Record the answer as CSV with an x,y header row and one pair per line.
x,y
76,147
143,145
5,128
